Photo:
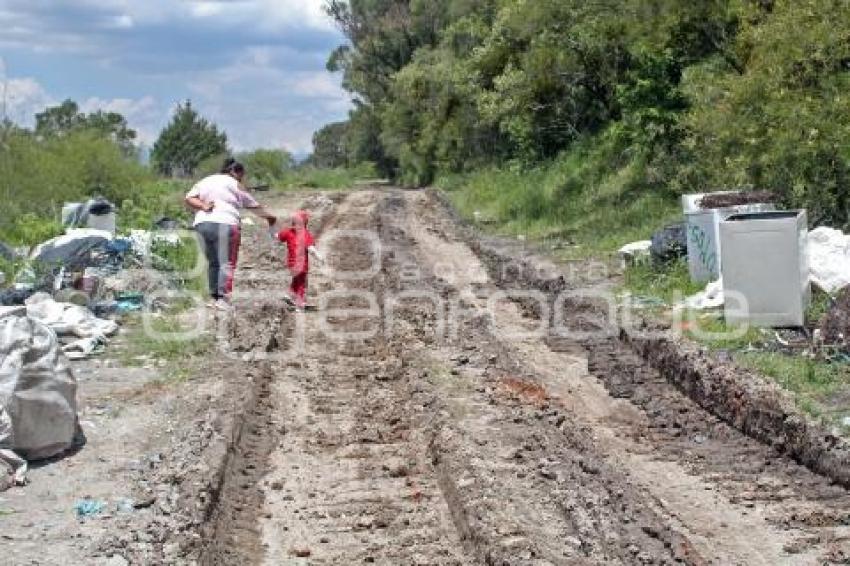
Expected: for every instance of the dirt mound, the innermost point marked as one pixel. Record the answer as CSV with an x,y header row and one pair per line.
x,y
737,199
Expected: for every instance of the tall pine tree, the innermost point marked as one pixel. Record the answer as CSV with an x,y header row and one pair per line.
x,y
186,142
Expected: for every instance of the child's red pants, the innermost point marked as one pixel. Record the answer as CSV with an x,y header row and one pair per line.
x,y
298,288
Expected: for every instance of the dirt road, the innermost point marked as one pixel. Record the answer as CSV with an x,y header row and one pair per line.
x,y
419,417
441,406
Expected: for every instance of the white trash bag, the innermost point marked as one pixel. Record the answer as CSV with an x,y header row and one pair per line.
x,y
68,319
37,389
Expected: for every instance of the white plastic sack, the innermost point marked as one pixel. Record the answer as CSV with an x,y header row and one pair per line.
x,y
634,252
37,390
711,297
829,258
67,318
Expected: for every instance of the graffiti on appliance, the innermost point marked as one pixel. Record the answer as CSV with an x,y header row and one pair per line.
x,y
706,251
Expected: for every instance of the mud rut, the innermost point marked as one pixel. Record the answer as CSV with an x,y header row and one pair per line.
x,y
469,444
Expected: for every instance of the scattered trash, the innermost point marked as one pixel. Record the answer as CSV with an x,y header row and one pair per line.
x,y
634,253
37,390
481,218
104,309
643,301
13,468
15,297
125,505
71,250
68,319
669,243
89,507
711,297
84,347
129,301
144,281
144,503
764,265
97,213
120,246
143,240
703,233
829,259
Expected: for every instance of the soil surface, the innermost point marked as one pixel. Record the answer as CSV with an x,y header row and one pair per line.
x,y
427,413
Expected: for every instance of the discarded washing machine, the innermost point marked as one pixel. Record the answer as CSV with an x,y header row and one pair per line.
x,y
766,268
703,232
97,214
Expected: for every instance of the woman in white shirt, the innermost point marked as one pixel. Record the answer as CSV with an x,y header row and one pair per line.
x,y
217,201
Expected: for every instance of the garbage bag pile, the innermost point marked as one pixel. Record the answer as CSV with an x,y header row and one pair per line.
x,y
38,405
53,263
669,243
68,319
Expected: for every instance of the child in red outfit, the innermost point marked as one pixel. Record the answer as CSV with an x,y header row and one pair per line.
x,y
300,244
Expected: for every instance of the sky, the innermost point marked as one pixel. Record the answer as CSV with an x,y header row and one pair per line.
x,y
254,67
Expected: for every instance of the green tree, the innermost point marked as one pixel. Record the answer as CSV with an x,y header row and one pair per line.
x,y
186,141
66,118
330,146
782,121
58,120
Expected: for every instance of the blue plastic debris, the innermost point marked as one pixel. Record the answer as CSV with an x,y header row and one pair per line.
x,y
89,507
125,505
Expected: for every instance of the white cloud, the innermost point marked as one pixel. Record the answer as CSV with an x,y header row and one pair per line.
x,y
264,83
261,105
318,85
295,13
123,21
23,98
145,115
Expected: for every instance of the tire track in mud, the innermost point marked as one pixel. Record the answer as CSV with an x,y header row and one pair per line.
x,y
527,484
788,513
350,482
256,329
468,445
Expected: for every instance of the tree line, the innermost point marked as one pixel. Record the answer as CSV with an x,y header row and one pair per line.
x,y
71,155
690,96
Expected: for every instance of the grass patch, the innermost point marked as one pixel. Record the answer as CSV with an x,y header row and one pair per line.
x,y
166,339
797,373
713,332
593,196
153,200
670,283
181,263
820,388
815,384
332,179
